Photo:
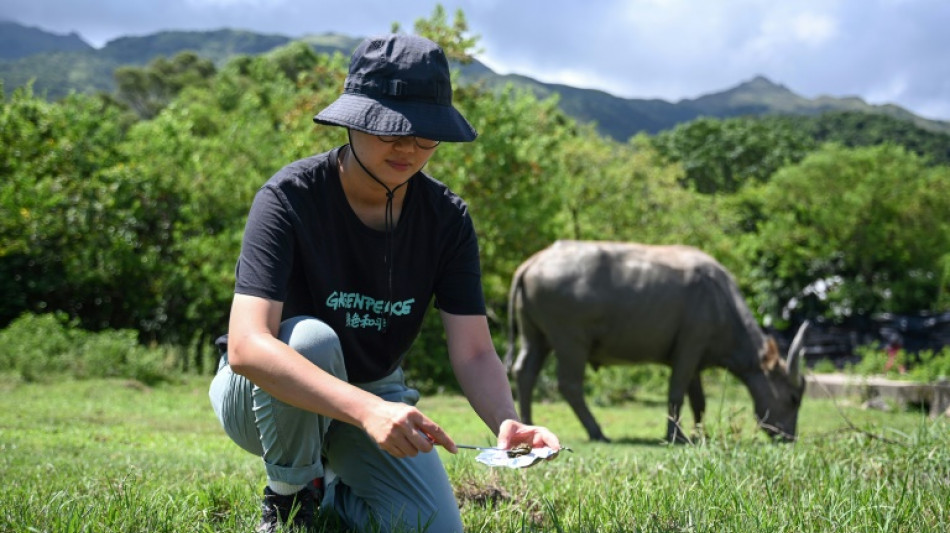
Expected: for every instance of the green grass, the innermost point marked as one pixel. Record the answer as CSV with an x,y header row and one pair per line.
x,y
110,455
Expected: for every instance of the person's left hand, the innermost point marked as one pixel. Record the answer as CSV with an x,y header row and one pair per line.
x,y
512,433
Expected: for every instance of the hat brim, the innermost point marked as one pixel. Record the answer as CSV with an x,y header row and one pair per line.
x,y
397,117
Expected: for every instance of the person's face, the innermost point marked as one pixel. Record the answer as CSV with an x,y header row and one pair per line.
x,y
392,159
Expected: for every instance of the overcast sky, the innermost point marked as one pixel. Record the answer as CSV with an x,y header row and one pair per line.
x,y
884,51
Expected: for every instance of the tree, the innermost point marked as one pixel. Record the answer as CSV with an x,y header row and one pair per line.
x,y
453,39
137,225
719,156
148,90
851,232
854,129
65,226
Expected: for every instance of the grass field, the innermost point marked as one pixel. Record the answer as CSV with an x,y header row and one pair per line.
x,y
110,456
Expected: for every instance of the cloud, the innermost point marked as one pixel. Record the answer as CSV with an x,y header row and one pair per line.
x,y
813,29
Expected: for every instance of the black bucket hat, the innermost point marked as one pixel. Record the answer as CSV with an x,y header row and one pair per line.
x,y
399,85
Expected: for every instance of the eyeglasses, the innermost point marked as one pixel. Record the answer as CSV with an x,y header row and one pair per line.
x,y
421,142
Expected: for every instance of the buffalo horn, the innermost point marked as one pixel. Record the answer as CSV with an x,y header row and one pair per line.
x,y
796,353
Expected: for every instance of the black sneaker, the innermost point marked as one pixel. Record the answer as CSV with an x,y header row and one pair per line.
x,y
277,509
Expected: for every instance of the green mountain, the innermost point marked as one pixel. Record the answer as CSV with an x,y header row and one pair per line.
x,y
622,118
58,65
55,72
17,41
760,96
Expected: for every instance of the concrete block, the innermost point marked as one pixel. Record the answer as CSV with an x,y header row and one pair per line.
x,y
936,396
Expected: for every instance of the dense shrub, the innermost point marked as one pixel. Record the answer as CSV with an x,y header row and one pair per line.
x,y
924,366
35,346
51,346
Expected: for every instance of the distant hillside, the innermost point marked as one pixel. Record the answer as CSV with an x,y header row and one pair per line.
x,y
57,72
17,41
61,64
217,45
622,118
760,96
617,117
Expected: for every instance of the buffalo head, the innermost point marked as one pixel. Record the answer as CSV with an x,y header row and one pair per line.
x,y
778,389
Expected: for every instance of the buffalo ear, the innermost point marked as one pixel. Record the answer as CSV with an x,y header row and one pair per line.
x,y
770,356
796,355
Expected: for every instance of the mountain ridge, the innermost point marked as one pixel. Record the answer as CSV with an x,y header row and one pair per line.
x,y
17,40
63,63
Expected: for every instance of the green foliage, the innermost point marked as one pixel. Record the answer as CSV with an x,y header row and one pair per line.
x,y
926,366
85,70
629,193
148,90
138,225
66,228
56,75
875,362
869,223
855,129
37,346
622,384
452,38
220,46
824,366
50,347
723,155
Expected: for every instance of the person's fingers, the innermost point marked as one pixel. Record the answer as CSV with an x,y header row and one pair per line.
x,y
393,427
547,438
405,431
419,441
409,447
416,433
403,445
511,433
436,435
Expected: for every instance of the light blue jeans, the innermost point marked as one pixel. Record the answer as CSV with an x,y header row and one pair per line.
x,y
372,490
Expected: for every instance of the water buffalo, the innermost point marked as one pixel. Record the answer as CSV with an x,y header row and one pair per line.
x,y
608,303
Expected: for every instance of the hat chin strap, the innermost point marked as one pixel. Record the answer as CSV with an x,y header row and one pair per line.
x,y
389,225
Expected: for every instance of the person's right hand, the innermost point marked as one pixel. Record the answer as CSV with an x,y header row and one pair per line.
x,y
403,431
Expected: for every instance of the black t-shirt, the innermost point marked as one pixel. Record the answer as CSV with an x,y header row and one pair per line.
x,y
304,246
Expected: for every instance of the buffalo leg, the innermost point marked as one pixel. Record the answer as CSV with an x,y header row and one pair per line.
x,y
527,367
697,400
684,376
674,432
570,381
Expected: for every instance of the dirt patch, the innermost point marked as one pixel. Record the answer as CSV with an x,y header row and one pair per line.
x,y
135,384
491,495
